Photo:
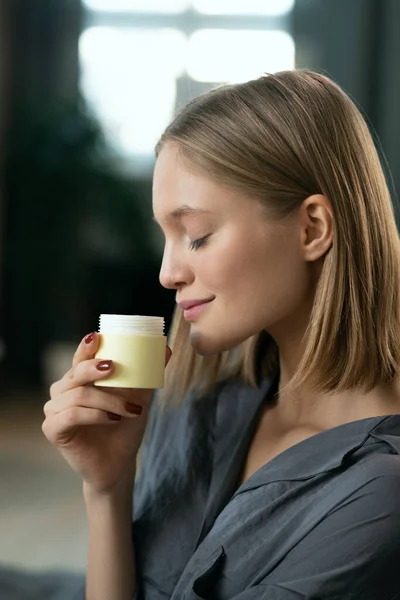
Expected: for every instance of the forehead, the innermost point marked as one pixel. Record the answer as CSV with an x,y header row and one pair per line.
x,y
179,189
173,177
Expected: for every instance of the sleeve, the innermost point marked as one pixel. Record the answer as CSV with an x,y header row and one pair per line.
x,y
352,554
140,484
146,450
140,489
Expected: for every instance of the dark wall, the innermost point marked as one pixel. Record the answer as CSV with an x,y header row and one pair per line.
x,y
4,107
43,37
357,43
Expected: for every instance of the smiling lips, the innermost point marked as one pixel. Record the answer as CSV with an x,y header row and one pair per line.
x,y
192,308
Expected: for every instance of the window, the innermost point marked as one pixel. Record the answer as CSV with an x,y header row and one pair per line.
x,y
217,55
142,58
150,6
250,7
129,76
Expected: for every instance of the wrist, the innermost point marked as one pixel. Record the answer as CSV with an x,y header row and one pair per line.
x,y
119,497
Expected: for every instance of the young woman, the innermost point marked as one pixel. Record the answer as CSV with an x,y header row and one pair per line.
x,y
273,472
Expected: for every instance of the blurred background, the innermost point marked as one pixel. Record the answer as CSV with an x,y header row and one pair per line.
x,y
86,88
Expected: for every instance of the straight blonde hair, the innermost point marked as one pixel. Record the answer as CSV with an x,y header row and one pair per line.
x,y
282,138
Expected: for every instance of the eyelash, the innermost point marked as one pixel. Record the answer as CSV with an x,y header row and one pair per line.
x,y
197,244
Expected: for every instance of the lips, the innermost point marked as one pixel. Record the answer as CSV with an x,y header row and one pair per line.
x,y
188,304
192,309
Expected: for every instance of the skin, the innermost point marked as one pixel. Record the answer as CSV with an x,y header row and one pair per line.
x,y
261,274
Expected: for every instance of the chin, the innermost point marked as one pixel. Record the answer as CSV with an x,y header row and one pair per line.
x,y
207,345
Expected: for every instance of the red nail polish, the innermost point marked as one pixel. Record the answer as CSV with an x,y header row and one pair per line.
x,y
89,338
103,365
113,416
134,409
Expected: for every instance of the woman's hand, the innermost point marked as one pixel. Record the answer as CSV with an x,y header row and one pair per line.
x,y
96,429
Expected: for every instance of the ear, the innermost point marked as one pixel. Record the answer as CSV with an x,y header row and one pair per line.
x,y
316,216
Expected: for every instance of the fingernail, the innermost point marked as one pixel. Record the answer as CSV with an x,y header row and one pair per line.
x,y
114,417
134,409
89,338
104,365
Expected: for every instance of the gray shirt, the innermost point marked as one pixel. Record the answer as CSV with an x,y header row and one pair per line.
x,y
320,520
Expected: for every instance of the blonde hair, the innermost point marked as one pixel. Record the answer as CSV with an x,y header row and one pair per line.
x,y
282,138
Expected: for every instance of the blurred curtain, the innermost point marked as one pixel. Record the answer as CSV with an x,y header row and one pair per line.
x,y
5,6
357,43
4,105
44,39
39,60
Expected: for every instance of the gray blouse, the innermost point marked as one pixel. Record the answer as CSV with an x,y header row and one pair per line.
x,y
320,520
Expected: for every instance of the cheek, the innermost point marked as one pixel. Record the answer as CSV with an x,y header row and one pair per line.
x,y
258,284
231,265
264,280
245,268
215,269
282,289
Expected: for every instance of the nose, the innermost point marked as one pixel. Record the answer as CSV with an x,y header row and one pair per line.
x,y
174,273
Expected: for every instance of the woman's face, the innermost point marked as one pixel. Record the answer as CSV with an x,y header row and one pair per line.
x,y
249,273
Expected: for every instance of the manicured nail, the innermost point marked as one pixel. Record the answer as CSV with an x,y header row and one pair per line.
x,y
104,365
114,417
89,338
134,409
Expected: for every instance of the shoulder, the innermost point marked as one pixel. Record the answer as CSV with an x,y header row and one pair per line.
x,y
353,551
369,506
377,464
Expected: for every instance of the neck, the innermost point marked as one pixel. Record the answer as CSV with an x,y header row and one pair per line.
x,y
322,411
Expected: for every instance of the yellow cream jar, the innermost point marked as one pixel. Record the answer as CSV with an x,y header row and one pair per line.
x,y
136,345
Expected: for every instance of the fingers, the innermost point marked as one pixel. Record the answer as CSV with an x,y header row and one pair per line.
x,y
87,348
83,373
89,345
74,391
93,398
75,403
87,371
60,427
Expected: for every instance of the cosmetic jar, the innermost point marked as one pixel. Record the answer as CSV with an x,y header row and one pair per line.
x,y
136,345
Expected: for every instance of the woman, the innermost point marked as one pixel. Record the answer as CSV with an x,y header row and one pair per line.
x,y
275,472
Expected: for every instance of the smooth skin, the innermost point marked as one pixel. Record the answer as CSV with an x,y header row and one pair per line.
x,y
99,437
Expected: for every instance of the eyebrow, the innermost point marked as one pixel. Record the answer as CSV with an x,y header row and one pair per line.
x,y
184,211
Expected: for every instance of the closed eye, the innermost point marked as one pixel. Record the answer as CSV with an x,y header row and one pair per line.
x,y
196,244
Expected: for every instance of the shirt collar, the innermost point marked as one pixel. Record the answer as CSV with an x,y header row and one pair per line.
x,y
236,416
325,451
